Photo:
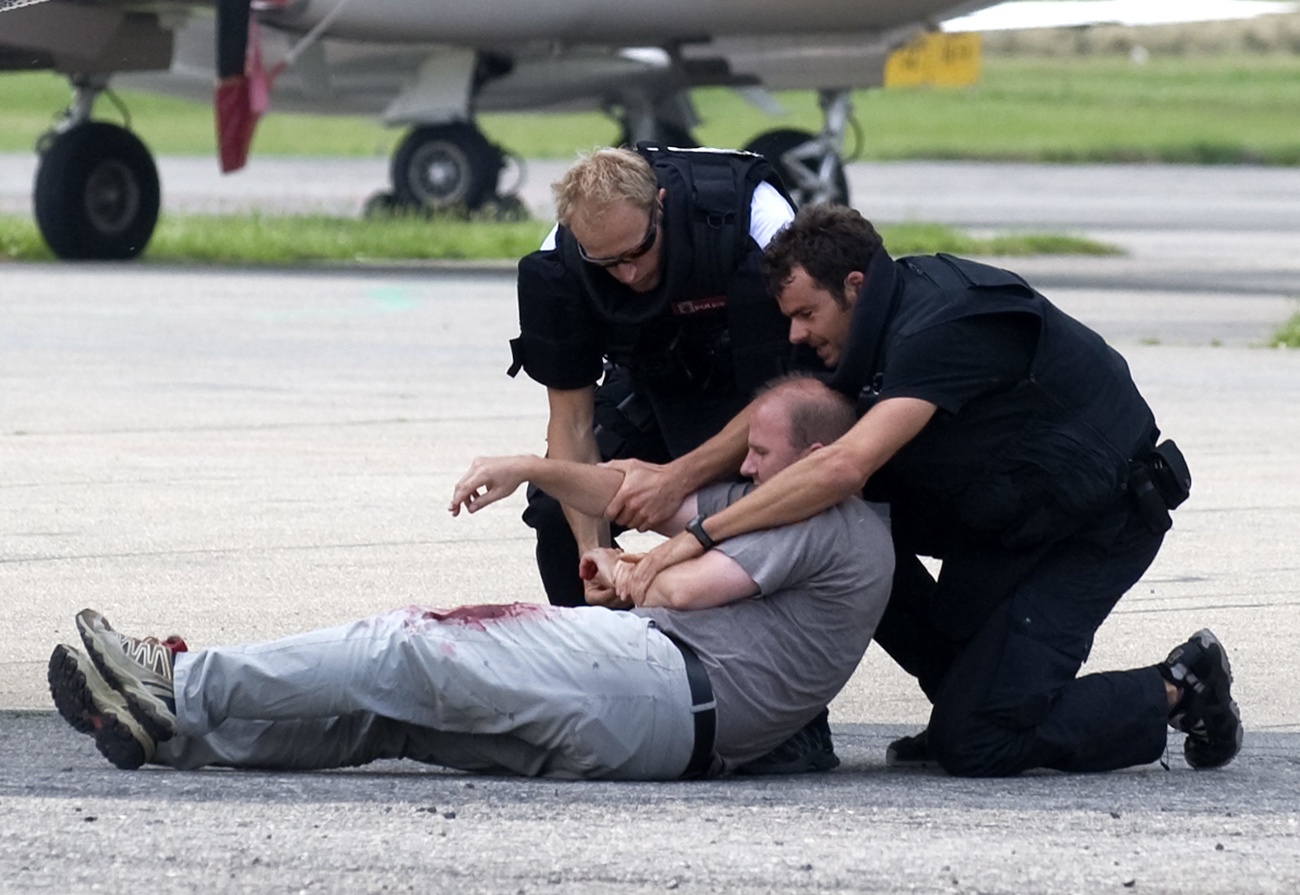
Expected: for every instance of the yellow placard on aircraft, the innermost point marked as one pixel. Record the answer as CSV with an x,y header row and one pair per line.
x,y
935,59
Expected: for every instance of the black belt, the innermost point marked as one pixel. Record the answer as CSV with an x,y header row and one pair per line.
x,y
703,708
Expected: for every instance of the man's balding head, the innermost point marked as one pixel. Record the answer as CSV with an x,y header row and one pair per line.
x,y
793,416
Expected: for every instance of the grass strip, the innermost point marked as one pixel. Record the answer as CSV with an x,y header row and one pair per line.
x,y
258,239
1287,335
1223,108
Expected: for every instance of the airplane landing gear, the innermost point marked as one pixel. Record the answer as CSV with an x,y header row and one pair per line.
x,y
96,193
446,166
667,119
810,164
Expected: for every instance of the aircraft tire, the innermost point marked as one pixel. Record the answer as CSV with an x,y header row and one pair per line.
x,y
772,145
96,195
446,166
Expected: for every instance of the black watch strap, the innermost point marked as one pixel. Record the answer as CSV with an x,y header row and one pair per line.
x,y
696,527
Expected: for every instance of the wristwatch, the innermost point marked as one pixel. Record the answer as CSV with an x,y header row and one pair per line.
x,y
696,527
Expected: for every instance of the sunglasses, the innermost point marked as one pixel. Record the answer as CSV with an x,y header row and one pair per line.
x,y
646,244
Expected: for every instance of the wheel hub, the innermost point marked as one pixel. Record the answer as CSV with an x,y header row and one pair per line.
x,y
112,197
441,174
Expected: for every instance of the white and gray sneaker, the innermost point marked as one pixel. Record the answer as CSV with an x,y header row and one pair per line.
x,y
139,669
91,705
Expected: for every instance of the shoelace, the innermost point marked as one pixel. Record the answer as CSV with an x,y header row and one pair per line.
x,y
151,653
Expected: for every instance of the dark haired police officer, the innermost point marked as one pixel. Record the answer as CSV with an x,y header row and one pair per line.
x,y
1011,443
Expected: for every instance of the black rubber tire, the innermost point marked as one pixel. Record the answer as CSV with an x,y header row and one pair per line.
x,y
96,195
774,144
446,166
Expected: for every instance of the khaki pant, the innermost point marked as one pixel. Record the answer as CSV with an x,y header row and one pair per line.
x,y
521,688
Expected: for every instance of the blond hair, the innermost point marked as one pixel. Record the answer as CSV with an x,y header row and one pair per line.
x,y
602,178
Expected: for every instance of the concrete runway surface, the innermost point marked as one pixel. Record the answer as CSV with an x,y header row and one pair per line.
x,y
238,454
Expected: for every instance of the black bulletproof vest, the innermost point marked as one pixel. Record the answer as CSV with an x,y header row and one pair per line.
x,y
1049,452
706,231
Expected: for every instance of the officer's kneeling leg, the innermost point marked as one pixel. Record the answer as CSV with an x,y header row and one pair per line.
x,y
1012,699
997,693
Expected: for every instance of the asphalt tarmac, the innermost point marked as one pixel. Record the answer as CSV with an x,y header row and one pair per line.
x,y
237,454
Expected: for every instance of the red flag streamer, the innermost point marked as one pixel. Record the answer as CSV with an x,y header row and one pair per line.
x,y
240,101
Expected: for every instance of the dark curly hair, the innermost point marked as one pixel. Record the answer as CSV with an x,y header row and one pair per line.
x,y
828,241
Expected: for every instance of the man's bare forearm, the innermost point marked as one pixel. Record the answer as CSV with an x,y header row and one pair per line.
x,y
589,531
570,438
582,487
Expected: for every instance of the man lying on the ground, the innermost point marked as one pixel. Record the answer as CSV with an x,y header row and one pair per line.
x,y
725,657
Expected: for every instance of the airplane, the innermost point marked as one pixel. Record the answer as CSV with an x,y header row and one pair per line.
x,y
432,65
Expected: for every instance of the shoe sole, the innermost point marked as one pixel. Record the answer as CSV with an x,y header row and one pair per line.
x,y
69,688
923,762
1223,693
89,703
804,764
910,764
117,669
893,761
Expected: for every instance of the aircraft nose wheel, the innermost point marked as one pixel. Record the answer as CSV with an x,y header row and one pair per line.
x,y
446,166
97,193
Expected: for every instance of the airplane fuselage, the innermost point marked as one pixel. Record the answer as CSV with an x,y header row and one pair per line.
x,y
624,22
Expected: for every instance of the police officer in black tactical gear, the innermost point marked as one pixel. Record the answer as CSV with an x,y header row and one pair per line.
x,y
646,317
650,282
1012,444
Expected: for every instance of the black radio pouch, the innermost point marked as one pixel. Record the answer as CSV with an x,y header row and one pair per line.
x,y
1169,473
1159,482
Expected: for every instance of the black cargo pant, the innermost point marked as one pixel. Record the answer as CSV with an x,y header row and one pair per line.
x,y
1003,683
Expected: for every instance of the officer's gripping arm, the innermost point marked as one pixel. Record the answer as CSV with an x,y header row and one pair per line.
x,y
650,493
570,437
820,480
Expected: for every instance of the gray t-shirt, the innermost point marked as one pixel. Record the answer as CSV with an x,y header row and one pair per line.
x,y
777,659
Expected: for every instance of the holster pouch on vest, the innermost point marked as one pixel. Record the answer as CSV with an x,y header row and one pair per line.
x,y
1160,482
1170,475
622,415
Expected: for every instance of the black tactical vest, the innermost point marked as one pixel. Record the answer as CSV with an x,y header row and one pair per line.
x,y
709,326
1053,450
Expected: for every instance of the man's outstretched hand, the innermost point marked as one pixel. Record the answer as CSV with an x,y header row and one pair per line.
x,y
487,480
650,493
